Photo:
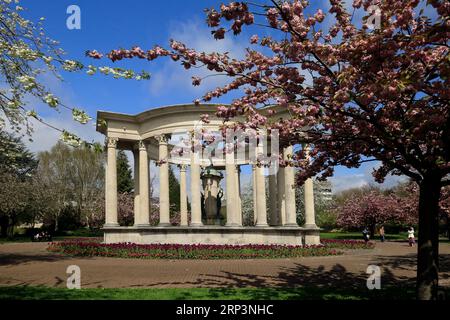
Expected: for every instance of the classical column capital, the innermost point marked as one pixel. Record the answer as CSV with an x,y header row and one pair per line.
x,y
163,138
111,142
141,145
183,167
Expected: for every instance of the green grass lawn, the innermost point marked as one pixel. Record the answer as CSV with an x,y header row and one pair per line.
x,y
88,233
358,236
20,236
46,293
27,239
324,235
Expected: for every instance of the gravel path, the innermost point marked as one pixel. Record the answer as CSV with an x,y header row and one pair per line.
x,y
31,264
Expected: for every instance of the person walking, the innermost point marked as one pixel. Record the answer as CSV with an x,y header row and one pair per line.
x,y
366,235
382,235
411,238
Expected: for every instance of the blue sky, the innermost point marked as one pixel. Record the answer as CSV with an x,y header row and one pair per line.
x,y
107,25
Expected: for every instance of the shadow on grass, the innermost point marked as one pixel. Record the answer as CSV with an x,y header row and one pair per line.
x,y
16,259
297,282
305,282
300,293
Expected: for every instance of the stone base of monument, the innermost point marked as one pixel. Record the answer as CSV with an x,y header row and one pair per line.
x,y
213,235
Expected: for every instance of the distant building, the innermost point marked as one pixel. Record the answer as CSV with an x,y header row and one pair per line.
x,y
323,192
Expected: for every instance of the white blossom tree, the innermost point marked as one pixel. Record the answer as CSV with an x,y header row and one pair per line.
x,y
26,54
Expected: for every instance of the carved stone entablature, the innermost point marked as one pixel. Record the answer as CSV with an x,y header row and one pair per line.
x,y
111,142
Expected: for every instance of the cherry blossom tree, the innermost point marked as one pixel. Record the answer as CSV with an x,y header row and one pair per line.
x,y
411,193
371,208
355,94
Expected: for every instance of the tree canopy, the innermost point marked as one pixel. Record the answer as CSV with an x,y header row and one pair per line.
x,y
17,165
174,191
74,177
15,158
371,207
355,91
26,54
125,182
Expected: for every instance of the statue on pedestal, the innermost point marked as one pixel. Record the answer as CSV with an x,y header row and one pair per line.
x,y
212,194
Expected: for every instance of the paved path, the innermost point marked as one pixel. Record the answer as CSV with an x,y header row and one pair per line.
x,y
31,264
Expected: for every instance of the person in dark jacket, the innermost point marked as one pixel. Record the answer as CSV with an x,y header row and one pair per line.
x,y
366,235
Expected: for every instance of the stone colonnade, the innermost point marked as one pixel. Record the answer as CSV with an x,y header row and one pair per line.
x,y
281,197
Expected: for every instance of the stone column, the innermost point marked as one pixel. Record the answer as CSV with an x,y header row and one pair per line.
x,y
238,196
137,199
255,194
310,220
310,217
196,208
289,190
183,196
261,220
164,202
143,218
111,184
230,169
273,200
281,201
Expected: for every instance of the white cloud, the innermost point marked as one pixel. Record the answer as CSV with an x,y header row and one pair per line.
x,y
343,182
354,178
44,137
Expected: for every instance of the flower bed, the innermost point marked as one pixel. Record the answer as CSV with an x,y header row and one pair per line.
x,y
177,251
347,244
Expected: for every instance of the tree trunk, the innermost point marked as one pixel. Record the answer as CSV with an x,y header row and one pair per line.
x,y
372,231
428,239
4,226
11,227
448,225
56,222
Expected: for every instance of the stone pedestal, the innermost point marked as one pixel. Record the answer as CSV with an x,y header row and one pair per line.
x,y
212,235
